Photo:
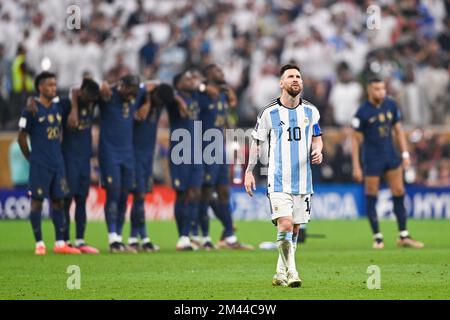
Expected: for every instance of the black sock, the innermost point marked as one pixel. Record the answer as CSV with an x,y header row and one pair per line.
x,y
80,216
67,203
59,223
35,218
371,211
400,212
121,211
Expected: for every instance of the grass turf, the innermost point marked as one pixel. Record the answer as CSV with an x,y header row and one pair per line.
x,y
334,267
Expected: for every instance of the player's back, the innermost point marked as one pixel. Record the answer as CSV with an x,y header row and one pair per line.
x,y
213,111
116,124
375,123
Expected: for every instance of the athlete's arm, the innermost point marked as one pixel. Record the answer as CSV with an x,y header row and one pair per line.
x,y
401,140
316,147
253,156
72,119
105,91
182,106
231,95
23,144
357,138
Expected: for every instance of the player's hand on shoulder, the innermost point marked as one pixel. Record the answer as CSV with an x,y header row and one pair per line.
x,y
249,183
31,106
105,91
316,156
72,120
142,113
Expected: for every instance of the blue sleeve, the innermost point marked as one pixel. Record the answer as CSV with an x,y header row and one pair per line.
x,y
358,122
66,106
25,121
316,130
141,96
397,116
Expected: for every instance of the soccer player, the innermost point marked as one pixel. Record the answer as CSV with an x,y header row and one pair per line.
x,y
47,173
156,96
213,114
187,176
290,126
77,150
374,123
116,154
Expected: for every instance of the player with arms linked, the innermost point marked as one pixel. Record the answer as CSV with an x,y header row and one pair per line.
x,y
373,124
47,173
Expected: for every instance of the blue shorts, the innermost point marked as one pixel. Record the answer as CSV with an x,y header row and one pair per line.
x,y
78,172
377,166
46,183
117,174
143,175
186,176
215,174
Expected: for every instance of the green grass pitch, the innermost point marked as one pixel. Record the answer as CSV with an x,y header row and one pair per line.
x,y
331,268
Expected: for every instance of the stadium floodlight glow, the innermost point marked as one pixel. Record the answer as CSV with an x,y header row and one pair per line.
x,y
46,64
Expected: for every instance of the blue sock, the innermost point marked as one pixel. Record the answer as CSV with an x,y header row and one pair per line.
x,y
121,211
67,203
225,218
35,218
284,235
203,218
400,212
138,219
80,216
58,223
112,199
193,216
179,218
294,237
371,211
134,222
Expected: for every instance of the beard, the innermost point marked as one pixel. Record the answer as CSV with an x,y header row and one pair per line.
x,y
293,92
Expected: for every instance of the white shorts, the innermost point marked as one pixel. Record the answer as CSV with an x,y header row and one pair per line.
x,y
297,206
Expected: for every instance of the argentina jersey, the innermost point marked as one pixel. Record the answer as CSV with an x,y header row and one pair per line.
x,y
289,133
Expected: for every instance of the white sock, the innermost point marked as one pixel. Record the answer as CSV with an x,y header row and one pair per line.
x,y
195,238
184,241
112,237
119,238
132,240
231,239
60,243
378,236
206,239
281,267
404,233
146,240
284,250
291,259
79,242
40,244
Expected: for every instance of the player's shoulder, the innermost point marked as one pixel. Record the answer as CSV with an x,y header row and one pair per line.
x,y
308,104
390,101
268,107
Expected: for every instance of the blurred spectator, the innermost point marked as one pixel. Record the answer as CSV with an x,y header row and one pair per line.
x,y
148,52
19,166
345,96
5,68
119,70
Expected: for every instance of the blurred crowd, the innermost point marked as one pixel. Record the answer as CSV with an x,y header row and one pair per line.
x,y
337,44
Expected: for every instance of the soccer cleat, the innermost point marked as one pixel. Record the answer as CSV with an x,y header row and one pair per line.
x,y
84,248
293,281
407,242
378,244
40,250
150,247
133,247
208,246
65,249
280,279
117,247
222,244
196,244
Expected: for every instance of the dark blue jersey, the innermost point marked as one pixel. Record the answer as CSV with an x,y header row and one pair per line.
x,y
77,143
116,124
376,126
45,129
177,121
213,111
144,136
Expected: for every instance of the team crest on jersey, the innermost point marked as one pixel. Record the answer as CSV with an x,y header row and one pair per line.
x,y
381,117
177,182
58,117
306,121
51,118
207,177
40,191
389,115
83,112
109,179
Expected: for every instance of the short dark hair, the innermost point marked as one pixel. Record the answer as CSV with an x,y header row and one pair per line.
x,y
374,79
165,93
91,87
130,80
177,79
287,67
208,68
41,77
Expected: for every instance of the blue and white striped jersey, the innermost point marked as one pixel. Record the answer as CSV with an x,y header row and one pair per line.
x,y
289,133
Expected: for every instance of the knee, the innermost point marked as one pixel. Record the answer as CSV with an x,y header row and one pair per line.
x,y
57,204
36,206
398,191
285,224
224,195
